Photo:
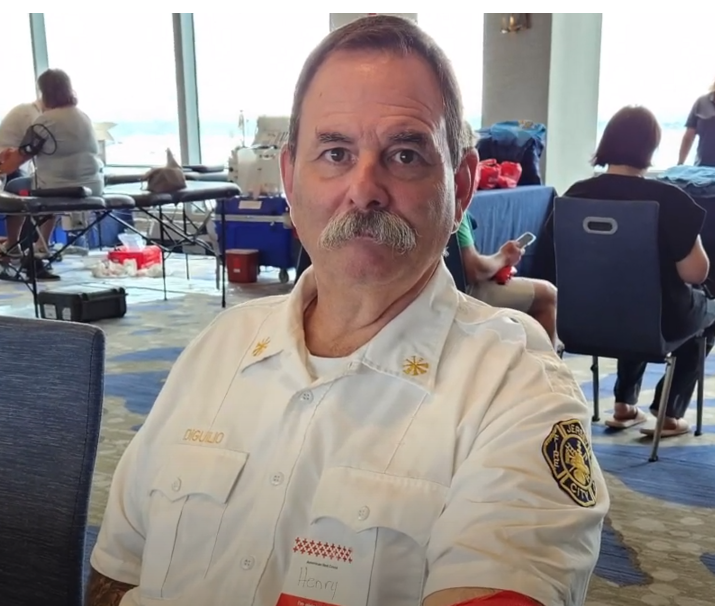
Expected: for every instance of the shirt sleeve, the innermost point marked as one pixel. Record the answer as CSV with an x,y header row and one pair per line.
x,y
120,543
692,120
465,238
526,507
118,553
682,221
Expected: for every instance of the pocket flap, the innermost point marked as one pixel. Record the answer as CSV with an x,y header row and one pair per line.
x,y
365,499
191,470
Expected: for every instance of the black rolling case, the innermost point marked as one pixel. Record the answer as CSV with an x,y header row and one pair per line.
x,y
82,303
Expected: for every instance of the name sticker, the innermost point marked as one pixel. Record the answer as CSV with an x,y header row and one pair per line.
x,y
325,574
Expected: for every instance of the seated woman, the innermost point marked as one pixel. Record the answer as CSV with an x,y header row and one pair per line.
x,y
629,141
64,148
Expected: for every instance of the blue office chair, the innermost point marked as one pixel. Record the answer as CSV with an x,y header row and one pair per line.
x,y
51,388
453,260
608,280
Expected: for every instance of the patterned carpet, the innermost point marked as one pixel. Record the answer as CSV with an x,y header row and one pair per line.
x,y
659,543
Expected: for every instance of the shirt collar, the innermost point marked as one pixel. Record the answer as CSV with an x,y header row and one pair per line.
x,y
409,347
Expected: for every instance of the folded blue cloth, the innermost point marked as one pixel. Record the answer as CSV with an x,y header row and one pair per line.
x,y
695,180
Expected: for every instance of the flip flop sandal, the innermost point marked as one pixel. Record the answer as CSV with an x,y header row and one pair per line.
x,y
682,429
615,423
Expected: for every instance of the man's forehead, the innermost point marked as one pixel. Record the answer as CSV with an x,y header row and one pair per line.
x,y
367,91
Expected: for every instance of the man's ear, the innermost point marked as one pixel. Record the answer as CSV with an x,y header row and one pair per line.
x,y
466,180
287,172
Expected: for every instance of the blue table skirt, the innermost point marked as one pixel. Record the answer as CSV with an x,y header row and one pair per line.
x,y
505,214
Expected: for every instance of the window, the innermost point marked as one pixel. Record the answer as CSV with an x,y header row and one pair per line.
x,y
462,39
659,59
123,70
250,70
18,69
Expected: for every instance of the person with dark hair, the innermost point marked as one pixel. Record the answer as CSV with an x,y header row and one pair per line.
x,y
63,147
625,151
700,124
375,438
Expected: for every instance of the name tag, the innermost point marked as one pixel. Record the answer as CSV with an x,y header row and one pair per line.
x,y
323,573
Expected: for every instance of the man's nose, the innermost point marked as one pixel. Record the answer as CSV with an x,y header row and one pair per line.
x,y
367,188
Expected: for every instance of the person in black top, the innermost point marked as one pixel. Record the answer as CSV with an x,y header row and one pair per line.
x,y
700,124
625,150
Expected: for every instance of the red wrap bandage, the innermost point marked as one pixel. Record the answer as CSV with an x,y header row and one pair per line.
x,y
503,598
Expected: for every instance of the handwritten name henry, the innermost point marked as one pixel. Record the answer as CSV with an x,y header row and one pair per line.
x,y
305,579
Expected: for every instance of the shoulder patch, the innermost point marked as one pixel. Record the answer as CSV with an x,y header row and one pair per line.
x,y
568,453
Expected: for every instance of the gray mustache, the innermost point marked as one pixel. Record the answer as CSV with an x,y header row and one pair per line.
x,y
385,228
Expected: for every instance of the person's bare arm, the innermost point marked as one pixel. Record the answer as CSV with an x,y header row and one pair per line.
x,y
459,595
103,591
686,145
478,267
449,597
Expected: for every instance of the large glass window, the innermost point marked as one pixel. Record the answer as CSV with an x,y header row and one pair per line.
x,y
461,36
251,70
123,70
18,73
659,59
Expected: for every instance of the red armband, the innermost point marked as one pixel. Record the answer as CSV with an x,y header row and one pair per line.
x,y
503,598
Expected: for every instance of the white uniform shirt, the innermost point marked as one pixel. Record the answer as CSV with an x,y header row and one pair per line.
x,y
452,450
15,124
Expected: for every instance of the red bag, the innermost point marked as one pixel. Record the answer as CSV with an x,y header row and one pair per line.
x,y
510,173
489,173
504,176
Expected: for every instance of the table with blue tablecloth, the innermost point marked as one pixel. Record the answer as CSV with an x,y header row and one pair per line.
x,y
505,214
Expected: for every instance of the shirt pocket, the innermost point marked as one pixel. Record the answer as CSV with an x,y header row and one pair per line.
x,y
385,518
187,501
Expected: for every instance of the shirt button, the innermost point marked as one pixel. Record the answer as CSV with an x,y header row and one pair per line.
x,y
277,479
247,563
363,513
176,485
307,396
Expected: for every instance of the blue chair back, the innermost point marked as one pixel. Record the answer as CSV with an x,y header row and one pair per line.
x,y
608,277
51,387
453,260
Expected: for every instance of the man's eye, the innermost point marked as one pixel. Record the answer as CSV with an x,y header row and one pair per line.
x,y
406,156
337,155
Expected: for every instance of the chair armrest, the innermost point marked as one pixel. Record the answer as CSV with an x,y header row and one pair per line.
x,y
61,192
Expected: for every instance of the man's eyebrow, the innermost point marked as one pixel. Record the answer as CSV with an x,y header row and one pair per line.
x,y
332,137
412,137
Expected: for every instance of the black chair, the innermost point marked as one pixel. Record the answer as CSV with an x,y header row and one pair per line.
x,y
51,389
608,279
453,260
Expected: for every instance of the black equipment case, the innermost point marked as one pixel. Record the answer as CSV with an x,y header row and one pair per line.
x,y
82,303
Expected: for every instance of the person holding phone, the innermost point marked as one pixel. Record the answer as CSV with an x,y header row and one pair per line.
x,y
534,297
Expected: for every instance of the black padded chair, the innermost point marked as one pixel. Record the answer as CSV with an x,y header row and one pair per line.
x,y
608,279
453,260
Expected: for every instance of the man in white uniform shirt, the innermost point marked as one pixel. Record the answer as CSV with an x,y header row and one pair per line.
x,y
13,129
374,438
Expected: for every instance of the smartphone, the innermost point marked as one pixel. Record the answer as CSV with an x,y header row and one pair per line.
x,y
525,239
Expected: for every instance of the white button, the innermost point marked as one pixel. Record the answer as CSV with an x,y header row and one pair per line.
x,y
247,563
306,396
176,485
364,513
277,479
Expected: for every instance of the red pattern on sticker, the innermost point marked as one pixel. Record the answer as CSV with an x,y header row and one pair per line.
x,y
323,550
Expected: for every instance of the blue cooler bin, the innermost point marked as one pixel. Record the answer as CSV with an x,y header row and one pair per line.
x,y
261,224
